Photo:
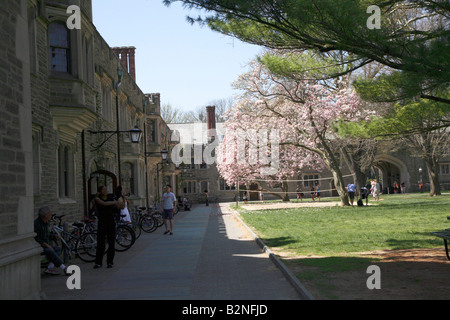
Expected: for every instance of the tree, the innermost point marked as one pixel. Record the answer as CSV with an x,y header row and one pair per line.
x,y
422,125
171,115
247,154
412,40
305,112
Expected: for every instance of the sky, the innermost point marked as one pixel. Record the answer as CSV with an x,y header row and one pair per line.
x,y
190,66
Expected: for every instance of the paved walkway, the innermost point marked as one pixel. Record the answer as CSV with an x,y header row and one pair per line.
x,y
209,257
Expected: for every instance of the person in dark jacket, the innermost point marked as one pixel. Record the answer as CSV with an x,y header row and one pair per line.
x,y
106,209
42,230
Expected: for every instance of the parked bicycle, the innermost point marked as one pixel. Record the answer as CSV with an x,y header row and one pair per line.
x,y
144,219
72,244
125,236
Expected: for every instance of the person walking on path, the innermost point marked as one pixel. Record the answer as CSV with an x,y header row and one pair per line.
x,y
106,209
169,202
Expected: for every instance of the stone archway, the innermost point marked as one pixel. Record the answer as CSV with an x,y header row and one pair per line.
x,y
100,178
392,170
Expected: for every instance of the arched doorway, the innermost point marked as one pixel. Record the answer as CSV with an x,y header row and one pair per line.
x,y
389,171
101,178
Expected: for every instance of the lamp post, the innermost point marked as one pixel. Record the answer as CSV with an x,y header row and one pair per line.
x,y
119,76
135,134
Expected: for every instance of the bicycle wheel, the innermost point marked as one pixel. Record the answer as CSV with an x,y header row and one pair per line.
x,y
86,247
159,219
125,238
136,228
148,224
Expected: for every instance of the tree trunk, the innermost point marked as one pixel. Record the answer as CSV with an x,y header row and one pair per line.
x,y
285,188
340,187
333,164
432,168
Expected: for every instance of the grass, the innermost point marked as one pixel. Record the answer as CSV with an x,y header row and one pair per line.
x,y
397,222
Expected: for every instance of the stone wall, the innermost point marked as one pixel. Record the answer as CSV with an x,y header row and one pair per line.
x,y
19,253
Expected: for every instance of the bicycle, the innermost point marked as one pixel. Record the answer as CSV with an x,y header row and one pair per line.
x,y
134,224
144,219
125,236
71,244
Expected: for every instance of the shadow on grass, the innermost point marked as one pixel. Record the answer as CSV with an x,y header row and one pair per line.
x,y
395,244
334,264
403,276
279,242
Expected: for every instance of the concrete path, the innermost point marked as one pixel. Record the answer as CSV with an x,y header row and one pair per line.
x,y
211,256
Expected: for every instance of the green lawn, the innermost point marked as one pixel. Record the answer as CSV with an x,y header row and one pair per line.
x,y
397,222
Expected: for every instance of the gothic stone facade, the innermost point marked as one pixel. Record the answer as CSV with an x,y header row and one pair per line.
x,y
58,90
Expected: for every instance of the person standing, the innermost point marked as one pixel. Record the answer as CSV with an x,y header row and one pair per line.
x,y
106,209
299,193
376,190
318,191
124,213
311,188
169,202
245,197
207,198
351,189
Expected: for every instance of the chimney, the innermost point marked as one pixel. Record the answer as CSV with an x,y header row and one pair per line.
x,y
132,62
127,58
211,121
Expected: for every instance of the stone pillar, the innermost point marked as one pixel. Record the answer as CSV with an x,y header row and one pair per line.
x,y
19,253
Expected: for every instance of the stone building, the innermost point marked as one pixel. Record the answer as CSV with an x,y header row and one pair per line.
x,y
68,105
392,163
196,176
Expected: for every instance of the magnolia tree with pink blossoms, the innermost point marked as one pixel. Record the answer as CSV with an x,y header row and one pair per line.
x,y
302,112
254,148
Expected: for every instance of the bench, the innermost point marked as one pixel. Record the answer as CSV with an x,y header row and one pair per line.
x,y
446,236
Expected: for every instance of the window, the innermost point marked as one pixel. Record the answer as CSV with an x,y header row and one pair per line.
x,y
190,187
444,169
65,172
204,186
128,182
310,180
107,109
59,42
151,131
223,186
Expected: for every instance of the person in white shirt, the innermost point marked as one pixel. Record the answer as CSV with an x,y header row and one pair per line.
x,y
169,202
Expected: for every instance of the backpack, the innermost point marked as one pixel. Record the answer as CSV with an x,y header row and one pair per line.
x,y
360,203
